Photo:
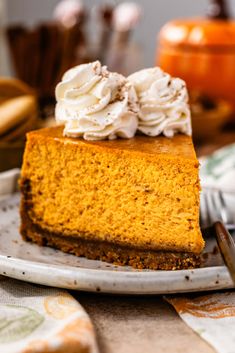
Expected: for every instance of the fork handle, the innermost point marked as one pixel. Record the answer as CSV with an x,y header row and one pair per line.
x,y
227,247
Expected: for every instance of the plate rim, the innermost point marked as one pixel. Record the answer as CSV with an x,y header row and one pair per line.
x,y
84,279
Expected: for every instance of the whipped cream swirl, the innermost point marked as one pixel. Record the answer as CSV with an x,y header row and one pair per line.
x,y
163,103
96,104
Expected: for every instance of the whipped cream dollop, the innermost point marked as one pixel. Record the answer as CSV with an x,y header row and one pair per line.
x,y
163,103
96,104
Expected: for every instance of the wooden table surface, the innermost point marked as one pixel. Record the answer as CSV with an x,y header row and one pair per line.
x,y
139,325
145,324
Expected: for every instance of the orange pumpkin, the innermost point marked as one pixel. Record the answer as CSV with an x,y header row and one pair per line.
x,y
202,52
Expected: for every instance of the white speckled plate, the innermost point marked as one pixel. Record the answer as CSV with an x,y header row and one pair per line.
x,y
32,263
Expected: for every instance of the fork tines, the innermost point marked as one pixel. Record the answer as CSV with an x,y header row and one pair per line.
x,y
214,208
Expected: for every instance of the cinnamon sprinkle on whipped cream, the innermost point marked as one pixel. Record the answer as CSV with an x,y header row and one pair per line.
x,y
163,102
96,104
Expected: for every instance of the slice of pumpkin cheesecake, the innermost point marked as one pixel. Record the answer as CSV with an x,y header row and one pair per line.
x,y
131,200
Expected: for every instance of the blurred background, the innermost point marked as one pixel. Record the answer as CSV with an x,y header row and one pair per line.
x,y
155,14
40,40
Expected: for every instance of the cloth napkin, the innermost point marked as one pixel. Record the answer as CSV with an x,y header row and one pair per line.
x,y
218,170
37,319
212,316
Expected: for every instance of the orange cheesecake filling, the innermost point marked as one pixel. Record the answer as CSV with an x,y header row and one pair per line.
x,y
142,192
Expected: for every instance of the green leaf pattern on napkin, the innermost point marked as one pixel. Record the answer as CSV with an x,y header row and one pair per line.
x,y
220,162
17,322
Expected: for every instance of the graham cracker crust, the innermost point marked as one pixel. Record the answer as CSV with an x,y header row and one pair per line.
x,y
101,250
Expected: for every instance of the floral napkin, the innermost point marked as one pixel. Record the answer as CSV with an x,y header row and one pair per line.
x,y
212,316
218,170
37,319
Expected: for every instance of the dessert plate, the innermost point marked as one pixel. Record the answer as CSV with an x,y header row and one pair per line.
x,y
46,266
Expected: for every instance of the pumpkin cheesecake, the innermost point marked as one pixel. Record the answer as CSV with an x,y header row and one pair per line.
x,y
130,201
